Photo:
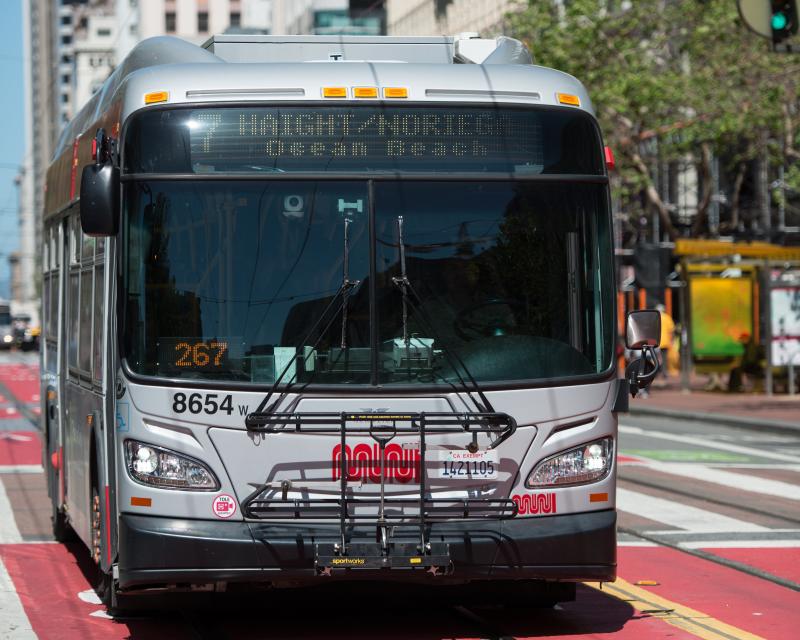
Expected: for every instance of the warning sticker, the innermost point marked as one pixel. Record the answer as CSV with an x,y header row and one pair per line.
x,y
224,506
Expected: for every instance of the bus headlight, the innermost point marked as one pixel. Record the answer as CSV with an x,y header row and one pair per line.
x,y
167,469
586,463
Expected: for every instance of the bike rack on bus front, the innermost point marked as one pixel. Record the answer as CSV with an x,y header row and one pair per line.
x,y
382,427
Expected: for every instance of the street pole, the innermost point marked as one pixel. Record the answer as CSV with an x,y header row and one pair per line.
x,y
767,288
685,362
781,203
763,188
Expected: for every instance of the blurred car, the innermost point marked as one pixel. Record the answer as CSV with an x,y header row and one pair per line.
x,y
6,328
24,336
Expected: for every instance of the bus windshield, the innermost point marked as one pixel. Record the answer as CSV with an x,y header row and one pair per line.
x,y
225,280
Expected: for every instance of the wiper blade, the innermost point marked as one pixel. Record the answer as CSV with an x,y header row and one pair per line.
x,y
404,284
347,283
252,419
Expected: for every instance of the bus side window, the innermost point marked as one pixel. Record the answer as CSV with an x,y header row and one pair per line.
x,y
97,335
85,343
74,240
72,333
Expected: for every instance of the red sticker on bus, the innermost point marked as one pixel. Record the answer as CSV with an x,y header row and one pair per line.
x,y
224,506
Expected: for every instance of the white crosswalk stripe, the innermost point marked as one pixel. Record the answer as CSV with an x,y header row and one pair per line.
x,y
9,534
682,516
14,622
729,479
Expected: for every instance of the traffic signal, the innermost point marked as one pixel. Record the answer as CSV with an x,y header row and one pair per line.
x,y
783,20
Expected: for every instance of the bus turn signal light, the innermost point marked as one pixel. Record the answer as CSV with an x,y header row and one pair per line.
x,y
568,98
395,92
365,92
156,96
334,92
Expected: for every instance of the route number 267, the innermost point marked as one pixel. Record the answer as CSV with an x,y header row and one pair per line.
x,y
201,403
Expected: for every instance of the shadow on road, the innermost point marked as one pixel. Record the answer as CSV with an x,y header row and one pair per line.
x,y
356,614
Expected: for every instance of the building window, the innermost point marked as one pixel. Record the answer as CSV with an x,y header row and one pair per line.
x,y
236,19
66,19
65,59
103,33
66,39
64,98
65,79
169,22
202,21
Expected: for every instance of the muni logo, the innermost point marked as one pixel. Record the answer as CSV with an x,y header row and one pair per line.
x,y
364,463
535,503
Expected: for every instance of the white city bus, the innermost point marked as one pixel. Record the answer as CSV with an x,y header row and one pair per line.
x,y
334,309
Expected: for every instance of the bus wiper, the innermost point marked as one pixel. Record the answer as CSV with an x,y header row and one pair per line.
x,y
402,281
347,283
343,293
404,284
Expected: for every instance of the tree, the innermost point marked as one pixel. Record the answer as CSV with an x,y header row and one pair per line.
x,y
685,74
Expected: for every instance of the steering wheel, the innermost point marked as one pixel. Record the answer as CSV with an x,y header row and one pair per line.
x,y
487,319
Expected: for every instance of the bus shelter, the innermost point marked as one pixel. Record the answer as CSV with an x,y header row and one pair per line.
x,y
740,308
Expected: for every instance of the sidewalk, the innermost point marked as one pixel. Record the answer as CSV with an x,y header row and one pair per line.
x,y
747,409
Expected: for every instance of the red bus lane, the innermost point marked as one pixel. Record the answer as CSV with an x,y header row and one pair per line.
x,y
747,602
781,562
54,585
693,597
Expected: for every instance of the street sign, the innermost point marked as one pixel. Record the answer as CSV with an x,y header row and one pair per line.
x,y
785,317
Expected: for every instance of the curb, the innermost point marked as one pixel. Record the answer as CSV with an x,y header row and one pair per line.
x,y
778,426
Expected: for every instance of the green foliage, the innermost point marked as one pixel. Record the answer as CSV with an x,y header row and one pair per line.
x,y
683,72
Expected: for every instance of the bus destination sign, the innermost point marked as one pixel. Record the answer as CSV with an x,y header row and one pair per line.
x,y
478,138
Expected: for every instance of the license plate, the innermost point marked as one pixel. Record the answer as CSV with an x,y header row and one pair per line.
x,y
464,465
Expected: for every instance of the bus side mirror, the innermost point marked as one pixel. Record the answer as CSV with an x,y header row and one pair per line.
x,y
642,333
100,199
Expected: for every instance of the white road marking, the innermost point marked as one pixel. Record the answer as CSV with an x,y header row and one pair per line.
x,y
9,534
677,532
101,613
741,544
728,479
14,622
90,596
709,444
680,515
754,465
644,461
21,468
636,543
18,437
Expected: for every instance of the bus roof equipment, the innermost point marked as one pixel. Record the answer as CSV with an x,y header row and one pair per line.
x,y
465,48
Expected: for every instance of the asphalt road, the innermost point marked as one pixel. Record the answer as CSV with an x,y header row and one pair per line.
x,y
709,534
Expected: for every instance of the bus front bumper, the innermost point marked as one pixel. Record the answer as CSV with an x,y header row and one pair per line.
x,y
155,551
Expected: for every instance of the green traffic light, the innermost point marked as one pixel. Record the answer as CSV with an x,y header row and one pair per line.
x,y
779,21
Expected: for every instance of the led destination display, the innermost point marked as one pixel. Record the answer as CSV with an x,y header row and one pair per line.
x,y
269,136
363,138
